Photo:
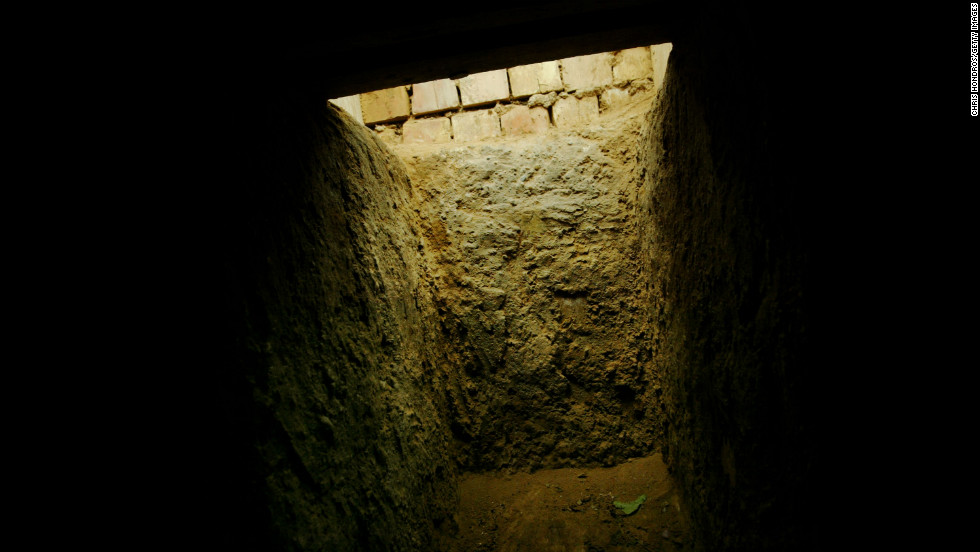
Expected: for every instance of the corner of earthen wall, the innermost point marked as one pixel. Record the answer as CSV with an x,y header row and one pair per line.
x,y
710,223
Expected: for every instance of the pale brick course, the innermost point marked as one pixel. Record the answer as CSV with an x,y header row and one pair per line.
x,y
587,72
381,106
524,120
352,105
536,78
530,98
475,125
632,64
571,112
660,53
483,88
427,131
434,96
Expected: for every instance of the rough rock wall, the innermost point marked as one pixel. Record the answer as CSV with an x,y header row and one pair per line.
x,y
721,241
535,258
329,399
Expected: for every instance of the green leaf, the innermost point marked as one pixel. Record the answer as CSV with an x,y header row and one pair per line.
x,y
630,507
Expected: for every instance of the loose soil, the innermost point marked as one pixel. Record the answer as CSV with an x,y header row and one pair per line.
x,y
531,246
569,510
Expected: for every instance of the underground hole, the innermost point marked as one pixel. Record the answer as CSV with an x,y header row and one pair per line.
x,y
440,340
530,240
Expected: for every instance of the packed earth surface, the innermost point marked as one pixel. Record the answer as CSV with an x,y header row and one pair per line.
x,y
570,509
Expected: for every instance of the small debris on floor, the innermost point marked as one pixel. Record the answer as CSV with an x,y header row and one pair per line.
x,y
585,520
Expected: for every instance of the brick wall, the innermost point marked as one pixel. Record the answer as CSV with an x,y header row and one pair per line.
x,y
518,100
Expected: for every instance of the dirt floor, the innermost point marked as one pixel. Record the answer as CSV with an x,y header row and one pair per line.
x,y
570,510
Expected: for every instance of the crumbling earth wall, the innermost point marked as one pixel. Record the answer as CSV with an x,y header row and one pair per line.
x,y
386,331
533,246
720,222
334,426
495,314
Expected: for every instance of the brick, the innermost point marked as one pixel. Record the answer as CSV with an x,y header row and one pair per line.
x,y
434,96
352,105
659,54
572,112
632,64
536,78
475,125
524,120
614,97
483,88
427,131
382,106
587,72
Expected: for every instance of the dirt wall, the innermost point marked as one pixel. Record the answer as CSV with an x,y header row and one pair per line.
x,y
720,235
334,427
533,245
